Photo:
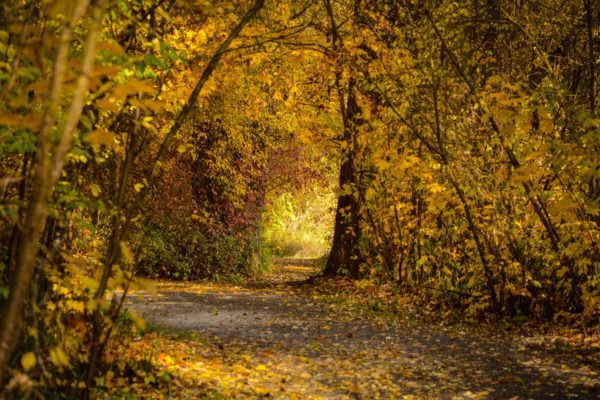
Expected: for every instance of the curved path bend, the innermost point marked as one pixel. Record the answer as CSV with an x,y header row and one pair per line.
x,y
277,339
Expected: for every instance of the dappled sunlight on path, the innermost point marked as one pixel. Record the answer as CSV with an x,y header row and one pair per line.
x,y
279,339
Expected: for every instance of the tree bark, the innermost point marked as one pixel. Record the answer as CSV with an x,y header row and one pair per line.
x,y
46,172
344,256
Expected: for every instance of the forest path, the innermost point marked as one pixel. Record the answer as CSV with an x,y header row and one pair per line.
x,y
279,339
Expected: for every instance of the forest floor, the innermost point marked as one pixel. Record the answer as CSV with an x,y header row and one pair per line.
x,y
285,338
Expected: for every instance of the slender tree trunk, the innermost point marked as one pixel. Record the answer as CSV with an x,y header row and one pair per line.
x,y
46,172
441,143
589,20
121,229
489,276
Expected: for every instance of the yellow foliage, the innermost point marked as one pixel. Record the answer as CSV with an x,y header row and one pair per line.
x,y
28,361
59,357
100,137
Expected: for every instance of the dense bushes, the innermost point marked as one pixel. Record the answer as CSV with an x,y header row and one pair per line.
x,y
163,254
187,253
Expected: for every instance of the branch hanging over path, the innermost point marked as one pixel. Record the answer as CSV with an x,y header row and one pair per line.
x,y
178,123
121,230
210,67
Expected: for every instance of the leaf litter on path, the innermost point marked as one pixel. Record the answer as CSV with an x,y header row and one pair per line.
x,y
276,339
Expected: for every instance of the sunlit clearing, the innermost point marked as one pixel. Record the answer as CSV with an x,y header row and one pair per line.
x,y
299,224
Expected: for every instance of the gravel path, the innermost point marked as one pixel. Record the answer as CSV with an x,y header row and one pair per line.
x,y
315,349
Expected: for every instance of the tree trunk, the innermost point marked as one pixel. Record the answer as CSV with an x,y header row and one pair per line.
x,y
344,256
46,173
345,235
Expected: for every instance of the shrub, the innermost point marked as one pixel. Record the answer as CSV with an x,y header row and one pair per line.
x,y
188,253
